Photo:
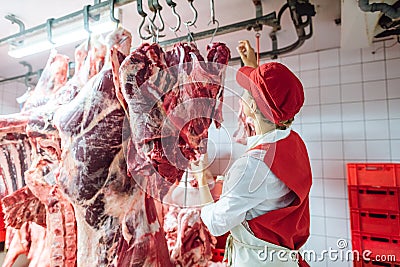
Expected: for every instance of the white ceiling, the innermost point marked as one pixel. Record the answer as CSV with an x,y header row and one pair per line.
x,y
326,32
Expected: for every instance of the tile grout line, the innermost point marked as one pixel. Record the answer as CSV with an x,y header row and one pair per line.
x,y
363,107
387,102
322,152
344,181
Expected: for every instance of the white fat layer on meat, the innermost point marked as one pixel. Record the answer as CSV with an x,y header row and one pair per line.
x,y
50,143
142,226
192,216
39,252
27,159
112,197
128,76
3,188
125,232
152,79
6,172
86,237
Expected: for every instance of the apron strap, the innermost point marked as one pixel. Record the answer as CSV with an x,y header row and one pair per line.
x,y
231,242
228,250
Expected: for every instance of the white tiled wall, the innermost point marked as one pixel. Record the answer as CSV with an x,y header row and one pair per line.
x,y
9,91
351,114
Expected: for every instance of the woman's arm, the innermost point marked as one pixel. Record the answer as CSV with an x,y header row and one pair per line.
x,y
205,194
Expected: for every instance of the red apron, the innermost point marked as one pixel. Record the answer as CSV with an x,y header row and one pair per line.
x,y
287,227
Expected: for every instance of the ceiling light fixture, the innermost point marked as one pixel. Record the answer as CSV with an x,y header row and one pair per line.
x,y
60,35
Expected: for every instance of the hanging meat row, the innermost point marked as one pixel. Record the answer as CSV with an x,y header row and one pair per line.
x,y
87,162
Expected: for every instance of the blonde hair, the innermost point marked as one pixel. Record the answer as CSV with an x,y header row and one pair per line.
x,y
258,113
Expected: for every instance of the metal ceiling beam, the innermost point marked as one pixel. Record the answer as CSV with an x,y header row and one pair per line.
x,y
71,16
256,23
244,25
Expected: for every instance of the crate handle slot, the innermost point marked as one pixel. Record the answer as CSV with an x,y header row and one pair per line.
x,y
376,192
377,263
380,239
375,215
393,216
373,168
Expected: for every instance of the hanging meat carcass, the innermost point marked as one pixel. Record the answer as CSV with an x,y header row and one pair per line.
x,y
43,139
15,156
41,178
116,223
171,99
15,141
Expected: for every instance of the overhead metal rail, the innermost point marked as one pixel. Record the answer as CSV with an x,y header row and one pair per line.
x,y
75,15
301,12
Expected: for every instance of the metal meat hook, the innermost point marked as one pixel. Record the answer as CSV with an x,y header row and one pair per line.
x,y
144,15
213,20
172,5
195,14
190,35
86,19
156,8
14,19
212,8
49,24
29,73
216,29
112,16
154,31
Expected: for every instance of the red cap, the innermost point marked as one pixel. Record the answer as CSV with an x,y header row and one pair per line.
x,y
277,91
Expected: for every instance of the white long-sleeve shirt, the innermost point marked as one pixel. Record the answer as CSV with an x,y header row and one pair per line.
x,y
250,189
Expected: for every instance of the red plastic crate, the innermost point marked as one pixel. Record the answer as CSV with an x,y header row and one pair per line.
x,y
378,244
367,197
373,174
375,264
375,222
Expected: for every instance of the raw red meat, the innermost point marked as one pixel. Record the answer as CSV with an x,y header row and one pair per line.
x,y
60,219
22,206
144,78
36,122
15,159
116,222
41,177
189,241
171,100
197,97
30,239
54,76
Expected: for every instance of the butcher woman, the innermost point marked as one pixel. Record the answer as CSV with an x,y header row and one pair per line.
x,y
265,198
